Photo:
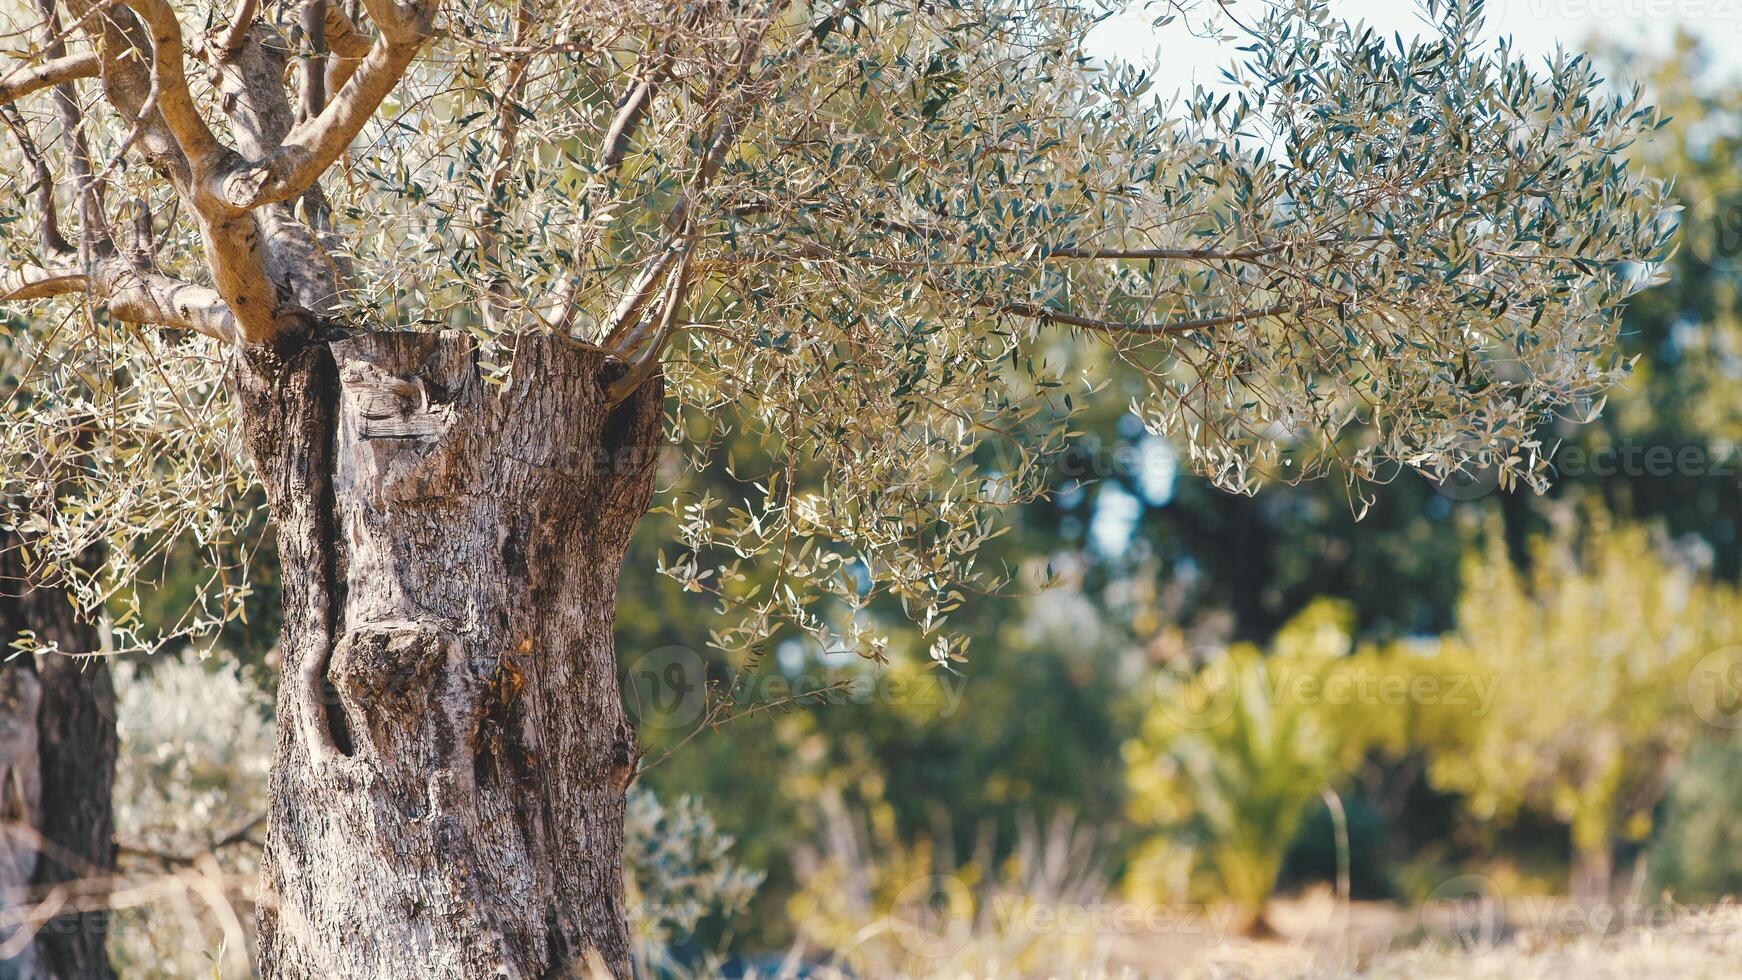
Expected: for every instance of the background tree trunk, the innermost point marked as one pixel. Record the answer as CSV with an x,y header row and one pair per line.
x,y
57,772
447,794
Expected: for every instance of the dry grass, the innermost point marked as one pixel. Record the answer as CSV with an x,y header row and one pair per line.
x,y
1542,939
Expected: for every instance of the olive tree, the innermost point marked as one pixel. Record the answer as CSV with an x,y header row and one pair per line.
x,y
469,267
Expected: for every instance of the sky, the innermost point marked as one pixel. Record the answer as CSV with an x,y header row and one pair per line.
x,y
1535,26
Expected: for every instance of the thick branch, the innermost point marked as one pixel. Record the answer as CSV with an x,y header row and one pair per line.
x,y
636,103
21,82
626,315
124,46
343,37
647,362
314,144
624,124
130,294
623,329
348,45
93,222
240,23
48,231
169,80
508,114
314,66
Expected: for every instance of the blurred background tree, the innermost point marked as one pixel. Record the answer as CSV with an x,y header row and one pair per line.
x,y
1593,649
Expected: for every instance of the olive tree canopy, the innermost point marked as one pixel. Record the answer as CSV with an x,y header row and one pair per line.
x,y
858,231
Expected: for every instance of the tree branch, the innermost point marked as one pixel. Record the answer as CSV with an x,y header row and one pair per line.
x,y
508,114
49,235
623,125
241,22
124,47
348,45
648,361
313,145
88,186
624,317
175,102
21,82
343,37
314,64
1168,328
1205,254
132,295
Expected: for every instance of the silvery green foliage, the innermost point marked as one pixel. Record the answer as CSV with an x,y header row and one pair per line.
x,y
119,444
1442,232
878,231
680,871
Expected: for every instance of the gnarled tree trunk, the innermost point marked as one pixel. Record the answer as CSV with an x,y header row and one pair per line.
x,y
57,777
447,795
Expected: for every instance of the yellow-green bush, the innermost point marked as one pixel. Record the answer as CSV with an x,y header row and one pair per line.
x,y
1230,755
1597,651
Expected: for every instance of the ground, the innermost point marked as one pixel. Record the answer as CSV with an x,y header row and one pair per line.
x,y
1541,939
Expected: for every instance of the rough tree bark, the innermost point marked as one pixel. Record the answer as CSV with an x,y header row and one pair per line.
x,y
447,795
57,774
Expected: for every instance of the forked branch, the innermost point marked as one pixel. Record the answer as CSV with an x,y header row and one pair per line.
x,y
315,143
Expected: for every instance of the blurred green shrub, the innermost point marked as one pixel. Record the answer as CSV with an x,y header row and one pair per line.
x,y
190,792
680,871
1696,853
1595,652
1232,753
